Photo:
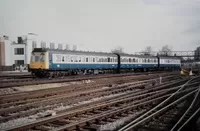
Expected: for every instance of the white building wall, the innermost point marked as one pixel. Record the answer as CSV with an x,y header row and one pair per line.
x,y
17,57
8,53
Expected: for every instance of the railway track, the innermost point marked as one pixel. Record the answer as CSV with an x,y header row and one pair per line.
x,y
92,115
15,75
19,102
74,88
5,83
173,114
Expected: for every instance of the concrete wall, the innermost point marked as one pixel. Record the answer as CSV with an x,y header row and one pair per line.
x,y
17,57
8,53
2,53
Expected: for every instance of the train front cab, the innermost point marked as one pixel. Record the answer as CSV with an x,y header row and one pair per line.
x,y
39,64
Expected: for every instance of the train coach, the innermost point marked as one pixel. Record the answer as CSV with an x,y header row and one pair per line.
x,y
45,62
169,62
54,62
138,62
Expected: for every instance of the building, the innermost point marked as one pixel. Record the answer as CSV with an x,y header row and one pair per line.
x,y
14,55
197,54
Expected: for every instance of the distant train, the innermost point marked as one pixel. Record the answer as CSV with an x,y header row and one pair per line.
x,y
54,62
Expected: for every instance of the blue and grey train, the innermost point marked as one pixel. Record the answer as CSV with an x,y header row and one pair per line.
x,y
45,62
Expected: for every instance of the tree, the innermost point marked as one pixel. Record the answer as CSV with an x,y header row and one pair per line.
x,y
118,49
166,50
148,50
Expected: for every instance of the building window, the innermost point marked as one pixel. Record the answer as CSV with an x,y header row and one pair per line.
x,y
19,51
19,62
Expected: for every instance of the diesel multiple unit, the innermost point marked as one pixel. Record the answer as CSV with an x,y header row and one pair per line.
x,y
45,62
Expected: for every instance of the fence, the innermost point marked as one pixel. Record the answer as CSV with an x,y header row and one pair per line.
x,y
14,68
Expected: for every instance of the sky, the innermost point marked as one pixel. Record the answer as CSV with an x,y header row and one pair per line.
x,y
102,25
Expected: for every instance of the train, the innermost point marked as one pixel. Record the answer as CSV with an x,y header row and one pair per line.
x,y
54,62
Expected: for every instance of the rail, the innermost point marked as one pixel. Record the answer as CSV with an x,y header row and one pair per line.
x,y
159,105
157,112
195,113
186,112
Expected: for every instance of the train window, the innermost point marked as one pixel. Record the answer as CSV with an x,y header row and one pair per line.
x,y
83,59
50,57
145,60
154,60
129,60
108,59
133,59
32,58
148,60
71,59
87,59
37,58
97,59
75,59
41,58
63,59
93,59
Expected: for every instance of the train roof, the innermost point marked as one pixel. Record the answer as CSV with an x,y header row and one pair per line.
x,y
72,51
139,56
169,57
98,53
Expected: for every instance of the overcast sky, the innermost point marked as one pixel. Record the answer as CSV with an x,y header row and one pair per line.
x,y
102,25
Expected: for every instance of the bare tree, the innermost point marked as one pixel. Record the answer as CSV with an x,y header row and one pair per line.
x,y
118,49
166,50
148,50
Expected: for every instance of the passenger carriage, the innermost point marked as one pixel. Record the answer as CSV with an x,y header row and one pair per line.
x,y
52,60
128,61
169,63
